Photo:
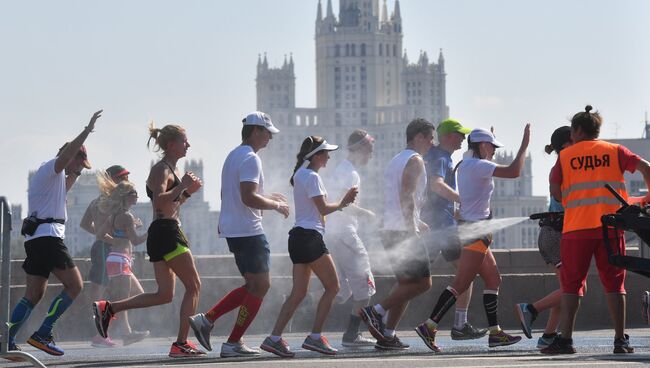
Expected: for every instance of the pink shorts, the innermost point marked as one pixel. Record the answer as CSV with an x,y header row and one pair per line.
x,y
576,258
118,264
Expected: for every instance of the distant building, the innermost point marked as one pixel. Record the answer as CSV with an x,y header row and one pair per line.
x,y
514,198
641,146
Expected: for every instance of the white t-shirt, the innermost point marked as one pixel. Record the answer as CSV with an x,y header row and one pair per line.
x,y
344,177
237,220
475,187
46,196
393,214
307,184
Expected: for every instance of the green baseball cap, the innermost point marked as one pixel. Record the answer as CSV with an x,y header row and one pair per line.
x,y
450,126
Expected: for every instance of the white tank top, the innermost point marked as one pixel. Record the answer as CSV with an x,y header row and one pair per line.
x,y
393,215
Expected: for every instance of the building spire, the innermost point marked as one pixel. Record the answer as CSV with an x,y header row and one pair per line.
x,y
397,13
384,13
319,12
330,12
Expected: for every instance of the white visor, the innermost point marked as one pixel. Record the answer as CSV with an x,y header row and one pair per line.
x,y
323,147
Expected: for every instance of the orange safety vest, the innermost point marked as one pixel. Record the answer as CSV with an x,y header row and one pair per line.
x,y
586,167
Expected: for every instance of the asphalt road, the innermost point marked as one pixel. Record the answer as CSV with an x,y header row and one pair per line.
x,y
594,350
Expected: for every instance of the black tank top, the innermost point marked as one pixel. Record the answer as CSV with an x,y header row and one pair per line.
x,y
177,182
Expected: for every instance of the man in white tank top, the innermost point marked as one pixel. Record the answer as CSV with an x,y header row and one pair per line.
x,y
405,184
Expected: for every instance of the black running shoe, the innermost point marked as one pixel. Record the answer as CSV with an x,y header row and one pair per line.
x,y
622,345
393,343
559,346
374,321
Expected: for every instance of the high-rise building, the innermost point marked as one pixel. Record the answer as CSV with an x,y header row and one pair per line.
x,y
363,80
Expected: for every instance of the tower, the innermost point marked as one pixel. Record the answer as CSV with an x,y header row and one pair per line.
x,y
276,87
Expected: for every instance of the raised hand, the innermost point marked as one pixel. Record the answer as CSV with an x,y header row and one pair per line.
x,y
191,182
350,196
526,139
91,125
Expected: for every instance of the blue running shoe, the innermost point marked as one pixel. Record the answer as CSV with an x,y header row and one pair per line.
x,y
45,343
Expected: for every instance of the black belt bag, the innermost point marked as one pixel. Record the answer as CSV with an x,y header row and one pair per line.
x,y
31,223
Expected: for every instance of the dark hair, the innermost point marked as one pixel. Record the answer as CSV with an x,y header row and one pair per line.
x,y
588,122
247,131
559,138
417,126
309,144
474,147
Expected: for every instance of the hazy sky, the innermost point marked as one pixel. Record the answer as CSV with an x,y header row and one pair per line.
x,y
193,63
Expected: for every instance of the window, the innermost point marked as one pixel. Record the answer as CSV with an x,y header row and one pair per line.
x,y
363,49
337,50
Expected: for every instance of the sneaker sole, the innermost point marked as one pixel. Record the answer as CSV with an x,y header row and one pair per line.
x,y
379,347
460,338
504,343
44,348
197,334
238,355
435,349
373,331
319,350
98,324
522,320
271,350
186,355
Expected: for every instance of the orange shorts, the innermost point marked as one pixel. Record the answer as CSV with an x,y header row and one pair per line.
x,y
479,245
576,258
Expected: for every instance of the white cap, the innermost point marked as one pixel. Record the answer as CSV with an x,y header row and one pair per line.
x,y
483,135
261,119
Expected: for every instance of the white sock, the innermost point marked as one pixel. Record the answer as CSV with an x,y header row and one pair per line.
x,y
275,338
389,333
314,336
379,309
460,318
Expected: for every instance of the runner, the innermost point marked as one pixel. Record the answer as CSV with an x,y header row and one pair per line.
x,y
307,249
405,183
438,212
242,203
120,228
475,184
550,234
578,179
167,246
97,276
44,232
348,251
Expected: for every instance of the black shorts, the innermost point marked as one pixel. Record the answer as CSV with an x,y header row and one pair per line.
x,y
45,254
446,239
163,237
407,253
98,253
306,245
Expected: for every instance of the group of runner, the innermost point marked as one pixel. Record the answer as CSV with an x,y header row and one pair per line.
x,y
427,200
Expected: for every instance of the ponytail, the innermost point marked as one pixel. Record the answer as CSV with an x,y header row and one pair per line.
x,y
163,136
548,149
309,144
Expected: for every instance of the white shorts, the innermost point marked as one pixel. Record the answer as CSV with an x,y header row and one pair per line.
x,y
352,266
118,264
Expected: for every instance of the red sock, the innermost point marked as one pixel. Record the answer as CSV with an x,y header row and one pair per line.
x,y
246,315
229,302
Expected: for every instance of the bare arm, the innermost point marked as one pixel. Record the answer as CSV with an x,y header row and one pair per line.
x,y
556,192
514,169
412,172
73,147
441,188
251,198
129,224
103,230
644,168
87,221
157,182
325,208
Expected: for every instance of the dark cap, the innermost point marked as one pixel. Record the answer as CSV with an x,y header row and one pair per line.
x,y
116,171
559,137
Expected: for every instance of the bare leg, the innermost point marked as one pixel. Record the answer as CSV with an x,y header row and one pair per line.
x,y
324,269
119,288
401,294
616,306
301,275
570,306
183,266
166,284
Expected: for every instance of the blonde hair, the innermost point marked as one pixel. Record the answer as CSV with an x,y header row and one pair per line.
x,y
112,199
163,136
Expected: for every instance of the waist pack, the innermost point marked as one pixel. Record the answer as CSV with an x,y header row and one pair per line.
x,y
31,223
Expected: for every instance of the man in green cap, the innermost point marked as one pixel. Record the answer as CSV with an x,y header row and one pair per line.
x,y
438,213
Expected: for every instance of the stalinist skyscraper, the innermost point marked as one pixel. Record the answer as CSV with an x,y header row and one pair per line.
x,y
363,80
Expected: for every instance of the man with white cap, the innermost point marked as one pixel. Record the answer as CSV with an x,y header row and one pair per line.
x,y
438,212
240,222
347,248
44,231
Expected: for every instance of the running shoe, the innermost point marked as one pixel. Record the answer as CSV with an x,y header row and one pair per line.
x,y
622,345
374,322
186,350
357,341
391,343
468,332
103,316
320,346
545,340
525,319
13,347
134,337
202,328
100,342
237,349
502,339
45,343
428,335
559,345
280,348
645,306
